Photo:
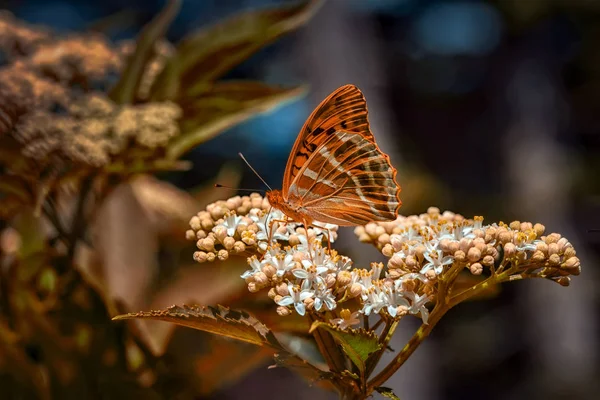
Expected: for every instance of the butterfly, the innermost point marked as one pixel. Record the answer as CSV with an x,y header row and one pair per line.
x,y
336,173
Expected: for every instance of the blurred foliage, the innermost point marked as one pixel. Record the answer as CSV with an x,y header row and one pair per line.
x,y
86,231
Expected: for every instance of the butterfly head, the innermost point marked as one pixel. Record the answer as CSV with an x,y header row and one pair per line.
x,y
292,211
275,198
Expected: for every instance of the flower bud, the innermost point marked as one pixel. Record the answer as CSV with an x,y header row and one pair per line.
x,y
460,256
355,290
283,311
488,261
200,256
525,226
207,224
538,256
505,237
474,254
539,229
395,273
269,270
206,244
396,261
228,242
195,223
384,239
510,250
569,252
552,238
223,255
554,259
430,274
330,280
309,303
476,268
553,248
388,250
220,233
572,263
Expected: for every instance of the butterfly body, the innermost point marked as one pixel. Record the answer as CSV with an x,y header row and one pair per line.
x,y
336,173
293,211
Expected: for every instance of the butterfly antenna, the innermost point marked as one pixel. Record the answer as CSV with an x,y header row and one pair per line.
x,y
253,170
218,185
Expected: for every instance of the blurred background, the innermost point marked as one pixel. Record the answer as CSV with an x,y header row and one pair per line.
x,y
486,108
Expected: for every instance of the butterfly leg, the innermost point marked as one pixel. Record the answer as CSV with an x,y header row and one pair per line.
x,y
310,254
283,221
328,236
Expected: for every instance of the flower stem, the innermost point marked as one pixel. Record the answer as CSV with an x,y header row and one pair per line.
x,y
414,342
442,307
328,348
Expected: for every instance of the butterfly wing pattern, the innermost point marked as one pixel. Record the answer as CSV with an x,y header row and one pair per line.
x,y
336,173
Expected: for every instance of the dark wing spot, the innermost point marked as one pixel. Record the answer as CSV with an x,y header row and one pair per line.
x,y
317,131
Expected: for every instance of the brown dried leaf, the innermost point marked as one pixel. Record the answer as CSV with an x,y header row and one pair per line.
x,y
219,320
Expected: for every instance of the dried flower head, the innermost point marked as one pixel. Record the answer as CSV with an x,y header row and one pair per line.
x,y
151,125
18,38
76,59
95,129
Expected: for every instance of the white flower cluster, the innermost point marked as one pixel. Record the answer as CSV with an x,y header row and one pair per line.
x,y
313,277
302,272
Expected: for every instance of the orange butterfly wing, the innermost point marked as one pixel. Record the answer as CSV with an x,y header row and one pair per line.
x,y
344,109
336,173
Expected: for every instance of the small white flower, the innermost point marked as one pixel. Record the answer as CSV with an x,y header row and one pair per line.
x,y
282,262
376,269
418,305
265,226
310,274
231,223
255,266
395,299
296,298
326,230
346,319
343,263
436,261
324,298
374,300
412,234
456,233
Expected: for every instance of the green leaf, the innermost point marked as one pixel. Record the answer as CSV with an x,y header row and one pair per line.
x,y
387,392
210,52
358,344
223,105
126,88
219,320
